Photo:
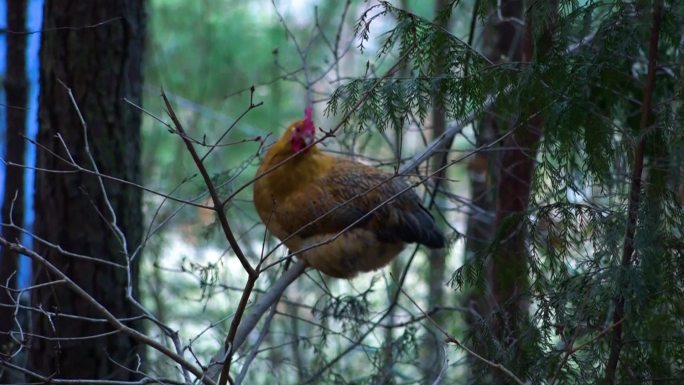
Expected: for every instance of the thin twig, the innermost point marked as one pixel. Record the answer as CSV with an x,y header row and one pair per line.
x,y
302,55
79,168
65,28
327,134
113,320
51,380
252,274
372,327
218,205
453,340
112,220
572,350
256,311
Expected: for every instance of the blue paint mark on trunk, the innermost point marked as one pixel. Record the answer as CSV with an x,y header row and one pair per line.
x,y
34,22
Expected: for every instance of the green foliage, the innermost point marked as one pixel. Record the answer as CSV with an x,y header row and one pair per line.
x,y
588,98
420,46
346,309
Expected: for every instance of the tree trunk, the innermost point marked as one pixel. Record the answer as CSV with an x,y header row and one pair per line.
x,y
397,264
507,268
501,42
434,359
100,58
16,88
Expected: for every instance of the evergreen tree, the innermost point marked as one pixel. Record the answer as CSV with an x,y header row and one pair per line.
x,y
583,276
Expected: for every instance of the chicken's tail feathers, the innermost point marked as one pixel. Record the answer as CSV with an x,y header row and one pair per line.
x,y
430,235
418,226
434,240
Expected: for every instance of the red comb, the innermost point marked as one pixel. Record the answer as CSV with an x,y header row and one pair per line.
x,y
308,121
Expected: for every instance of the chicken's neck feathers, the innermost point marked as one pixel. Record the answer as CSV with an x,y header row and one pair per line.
x,y
298,171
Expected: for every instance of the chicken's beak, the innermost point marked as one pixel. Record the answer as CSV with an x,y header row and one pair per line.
x,y
308,138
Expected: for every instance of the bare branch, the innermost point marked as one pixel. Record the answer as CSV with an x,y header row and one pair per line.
x,y
218,205
255,349
456,342
113,320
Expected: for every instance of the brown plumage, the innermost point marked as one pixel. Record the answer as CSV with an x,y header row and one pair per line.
x,y
357,215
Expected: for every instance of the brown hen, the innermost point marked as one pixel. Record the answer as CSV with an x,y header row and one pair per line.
x,y
341,216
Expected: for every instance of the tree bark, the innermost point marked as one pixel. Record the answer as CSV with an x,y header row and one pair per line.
x,y
100,58
507,269
16,90
634,198
501,43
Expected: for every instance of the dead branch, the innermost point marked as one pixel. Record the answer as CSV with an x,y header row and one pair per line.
x,y
453,340
113,320
268,299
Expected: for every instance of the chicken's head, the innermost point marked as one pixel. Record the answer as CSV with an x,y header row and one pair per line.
x,y
303,133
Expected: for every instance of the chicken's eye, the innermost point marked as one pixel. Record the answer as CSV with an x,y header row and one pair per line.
x,y
297,129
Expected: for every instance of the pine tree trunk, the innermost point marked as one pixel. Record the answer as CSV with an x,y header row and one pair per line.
x,y
501,42
16,88
508,266
100,59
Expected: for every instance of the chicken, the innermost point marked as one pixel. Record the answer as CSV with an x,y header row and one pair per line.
x,y
342,217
